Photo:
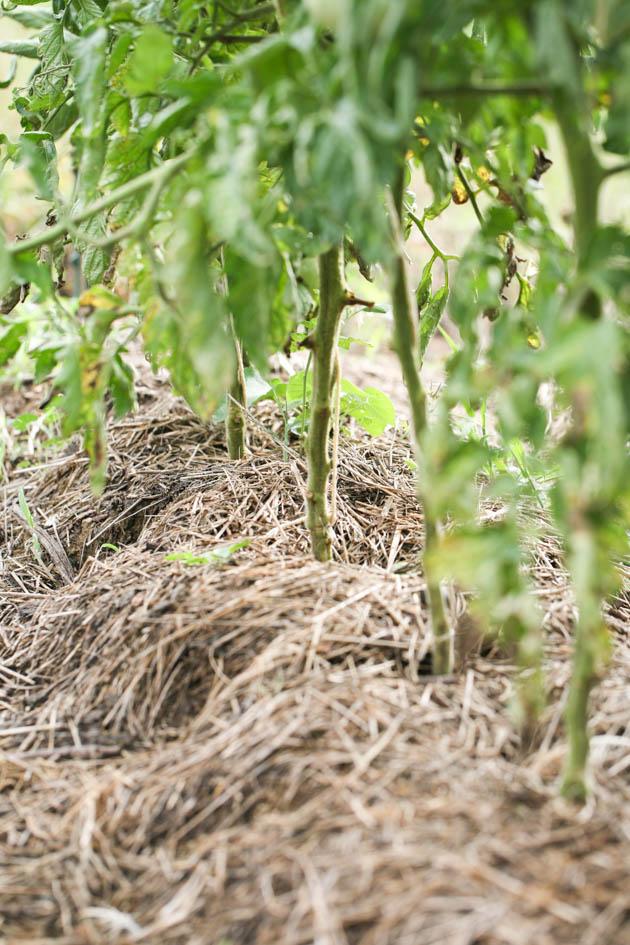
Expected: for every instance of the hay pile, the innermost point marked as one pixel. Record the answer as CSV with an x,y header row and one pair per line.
x,y
254,753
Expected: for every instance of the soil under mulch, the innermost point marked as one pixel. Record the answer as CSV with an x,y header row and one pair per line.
x,y
255,752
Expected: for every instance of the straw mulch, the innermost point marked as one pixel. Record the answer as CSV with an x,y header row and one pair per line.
x,y
254,753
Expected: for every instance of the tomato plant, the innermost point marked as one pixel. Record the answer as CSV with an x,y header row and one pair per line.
x,y
232,161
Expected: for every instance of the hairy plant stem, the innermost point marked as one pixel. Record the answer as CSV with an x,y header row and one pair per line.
x,y
332,298
590,643
335,437
155,177
590,634
406,344
235,421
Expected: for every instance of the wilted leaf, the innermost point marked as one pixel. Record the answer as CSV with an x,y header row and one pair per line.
x,y
100,297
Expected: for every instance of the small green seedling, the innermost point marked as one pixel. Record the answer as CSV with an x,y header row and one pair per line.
x,y
219,555
27,515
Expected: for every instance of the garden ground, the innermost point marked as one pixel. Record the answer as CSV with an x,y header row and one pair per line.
x,y
256,752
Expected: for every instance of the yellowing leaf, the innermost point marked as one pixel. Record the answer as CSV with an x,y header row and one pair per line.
x,y
90,377
459,193
99,297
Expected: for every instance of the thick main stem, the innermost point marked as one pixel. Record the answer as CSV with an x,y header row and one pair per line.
x,y
235,421
406,343
336,416
332,298
590,642
586,178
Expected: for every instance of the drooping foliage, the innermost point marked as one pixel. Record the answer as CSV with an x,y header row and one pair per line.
x,y
223,154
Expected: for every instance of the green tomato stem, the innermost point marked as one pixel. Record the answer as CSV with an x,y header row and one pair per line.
x,y
332,299
405,341
235,420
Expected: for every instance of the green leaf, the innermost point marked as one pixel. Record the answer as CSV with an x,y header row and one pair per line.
x,y
6,267
423,292
121,386
437,208
371,408
31,19
86,12
5,83
52,52
11,341
68,381
201,352
119,52
524,292
24,421
28,269
150,61
94,260
30,521
346,341
555,46
88,68
39,154
257,388
617,123
430,317
274,59
295,387
251,291
187,557
24,509
28,49
45,360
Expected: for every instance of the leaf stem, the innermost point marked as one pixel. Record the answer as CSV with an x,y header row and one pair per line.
x,y
471,194
335,437
304,387
435,249
585,551
616,169
121,193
